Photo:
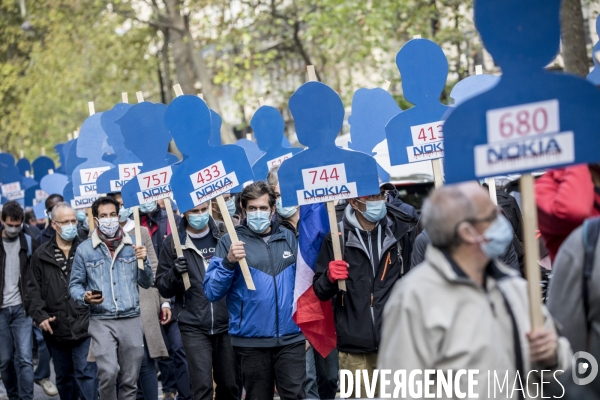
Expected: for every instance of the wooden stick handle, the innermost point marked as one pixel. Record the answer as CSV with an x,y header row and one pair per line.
x,y
234,238
176,242
140,96
491,182
386,85
177,89
438,175
335,239
312,75
124,97
91,108
91,219
137,230
261,101
532,251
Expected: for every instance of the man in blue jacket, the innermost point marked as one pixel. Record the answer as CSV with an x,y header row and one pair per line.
x,y
267,342
105,276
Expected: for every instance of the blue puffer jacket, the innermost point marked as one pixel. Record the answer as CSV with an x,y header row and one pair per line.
x,y
117,277
261,317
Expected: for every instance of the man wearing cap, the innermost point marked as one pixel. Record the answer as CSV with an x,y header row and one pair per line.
x,y
371,233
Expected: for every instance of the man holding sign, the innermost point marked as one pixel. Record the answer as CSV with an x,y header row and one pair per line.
x,y
267,342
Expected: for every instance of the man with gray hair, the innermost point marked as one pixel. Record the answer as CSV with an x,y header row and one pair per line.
x,y
64,323
462,308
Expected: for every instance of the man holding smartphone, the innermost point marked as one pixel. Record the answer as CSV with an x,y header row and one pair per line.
x,y
105,276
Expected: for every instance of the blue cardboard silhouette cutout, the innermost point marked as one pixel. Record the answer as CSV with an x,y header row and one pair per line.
x,y
126,164
594,75
147,137
24,165
472,86
59,149
71,163
7,159
323,172
416,134
371,111
34,193
172,159
532,118
11,179
41,165
202,175
215,128
91,145
54,183
253,153
268,126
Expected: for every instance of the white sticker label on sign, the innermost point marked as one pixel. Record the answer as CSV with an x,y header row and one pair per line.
x,y
522,121
90,175
429,151
40,195
128,171
427,133
88,189
19,194
80,202
538,151
326,183
277,161
9,188
207,175
153,179
216,187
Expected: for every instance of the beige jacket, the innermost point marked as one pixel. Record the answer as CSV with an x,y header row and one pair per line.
x,y
438,318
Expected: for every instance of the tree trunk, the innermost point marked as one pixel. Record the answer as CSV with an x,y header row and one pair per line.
x,y
166,68
183,69
573,38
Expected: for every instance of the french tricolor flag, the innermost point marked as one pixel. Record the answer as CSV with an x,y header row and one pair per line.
x,y
313,316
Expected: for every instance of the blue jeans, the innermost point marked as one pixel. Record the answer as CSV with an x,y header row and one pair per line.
x,y
43,368
73,371
327,373
174,370
16,364
147,381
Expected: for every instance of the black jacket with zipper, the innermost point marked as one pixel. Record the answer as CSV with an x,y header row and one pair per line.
x,y
191,306
358,311
24,260
47,295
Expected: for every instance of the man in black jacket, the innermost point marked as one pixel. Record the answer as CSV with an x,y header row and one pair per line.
x,y
203,325
372,250
65,324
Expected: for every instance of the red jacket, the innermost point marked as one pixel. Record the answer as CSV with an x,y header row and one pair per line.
x,y
565,198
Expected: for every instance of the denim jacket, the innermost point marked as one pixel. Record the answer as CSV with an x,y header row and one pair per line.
x,y
117,277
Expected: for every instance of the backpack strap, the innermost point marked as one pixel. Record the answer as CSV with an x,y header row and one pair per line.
x,y
591,233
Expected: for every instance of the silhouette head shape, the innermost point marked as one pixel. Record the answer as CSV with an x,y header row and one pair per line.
x,y
24,165
215,129
145,132
188,120
40,166
520,34
424,68
7,159
371,111
91,138
268,126
114,137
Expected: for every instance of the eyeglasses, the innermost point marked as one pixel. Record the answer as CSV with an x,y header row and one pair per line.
x,y
489,218
378,197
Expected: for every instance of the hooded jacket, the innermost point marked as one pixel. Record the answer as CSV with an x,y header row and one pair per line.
x,y
261,317
191,306
24,259
438,318
376,263
47,295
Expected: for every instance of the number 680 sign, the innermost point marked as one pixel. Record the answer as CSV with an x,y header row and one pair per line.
x,y
521,121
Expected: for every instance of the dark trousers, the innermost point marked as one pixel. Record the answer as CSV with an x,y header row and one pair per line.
x,y
327,374
147,381
210,357
74,374
286,365
174,370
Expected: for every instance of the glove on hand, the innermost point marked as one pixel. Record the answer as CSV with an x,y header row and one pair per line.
x,y
180,266
338,270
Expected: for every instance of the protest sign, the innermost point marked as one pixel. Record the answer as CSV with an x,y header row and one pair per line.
x,y
371,111
253,153
91,146
268,126
532,119
417,133
24,166
207,174
323,172
594,75
215,129
10,178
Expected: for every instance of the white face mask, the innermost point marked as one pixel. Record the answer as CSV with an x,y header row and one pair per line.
x,y
12,231
108,226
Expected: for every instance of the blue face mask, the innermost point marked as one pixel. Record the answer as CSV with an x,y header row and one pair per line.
x,y
285,212
198,221
80,215
496,237
230,206
68,232
259,221
375,211
147,208
124,214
